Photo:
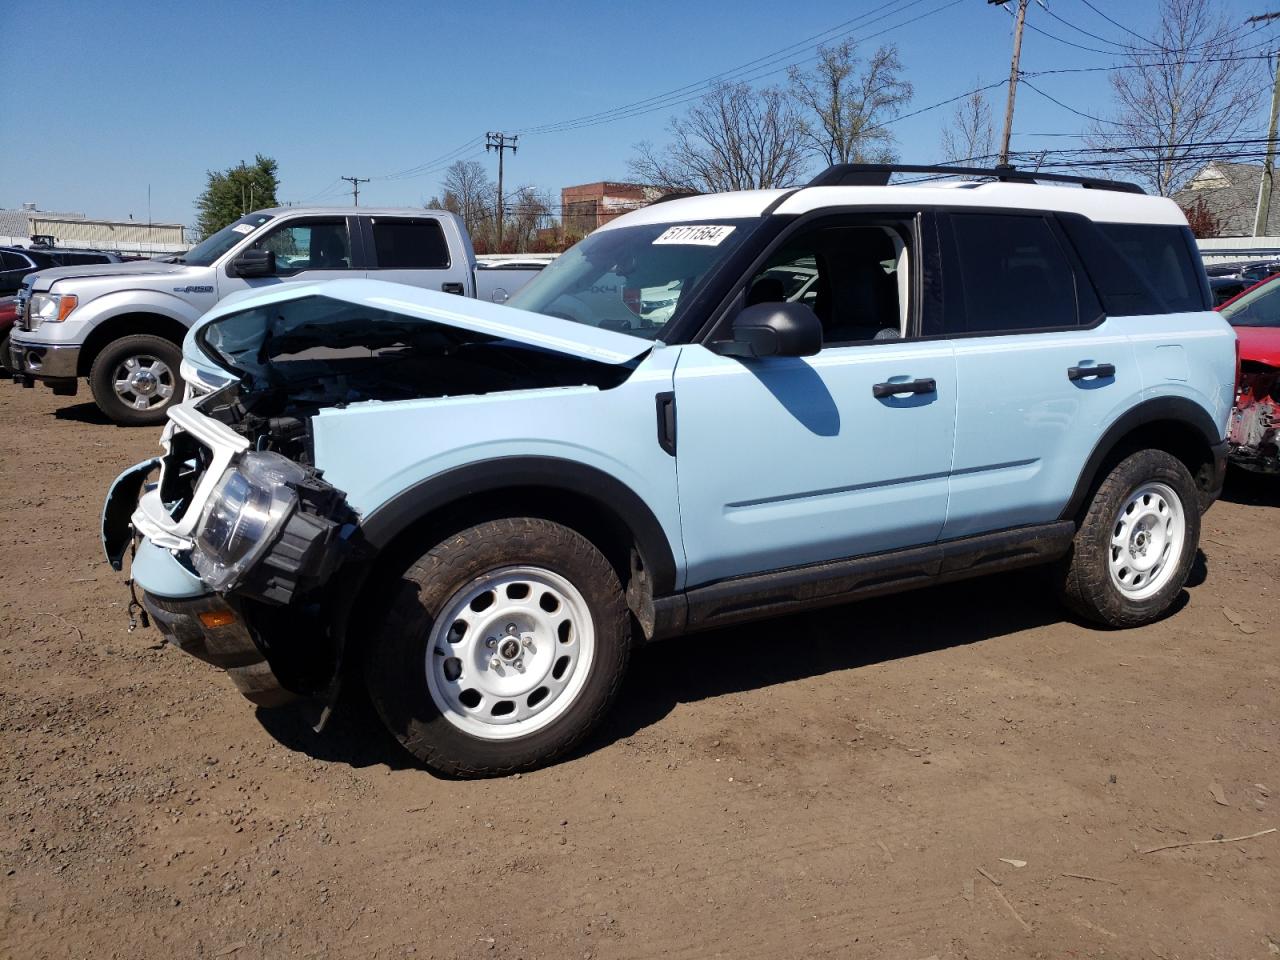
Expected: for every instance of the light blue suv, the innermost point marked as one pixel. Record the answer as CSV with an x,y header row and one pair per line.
x,y
861,388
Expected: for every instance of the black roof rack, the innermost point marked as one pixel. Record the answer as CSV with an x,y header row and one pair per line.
x,y
878,174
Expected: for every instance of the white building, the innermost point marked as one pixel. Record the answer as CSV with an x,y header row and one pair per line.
x,y
21,227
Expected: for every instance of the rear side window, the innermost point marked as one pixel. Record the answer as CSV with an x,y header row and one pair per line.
x,y
405,244
1014,275
1161,255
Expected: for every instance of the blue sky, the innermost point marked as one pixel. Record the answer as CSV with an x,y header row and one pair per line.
x,y
127,95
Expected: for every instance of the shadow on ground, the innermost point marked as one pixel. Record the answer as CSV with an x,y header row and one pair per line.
x,y
83,413
747,657
1252,489
737,659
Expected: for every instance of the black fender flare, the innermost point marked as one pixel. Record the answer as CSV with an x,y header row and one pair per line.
x,y
606,492
1157,409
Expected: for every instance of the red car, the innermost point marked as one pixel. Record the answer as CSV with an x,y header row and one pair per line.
x,y
8,317
1254,433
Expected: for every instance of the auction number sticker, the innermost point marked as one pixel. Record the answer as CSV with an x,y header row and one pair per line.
x,y
244,228
704,235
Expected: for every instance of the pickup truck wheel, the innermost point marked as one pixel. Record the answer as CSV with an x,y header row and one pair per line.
x,y
503,646
136,379
1135,547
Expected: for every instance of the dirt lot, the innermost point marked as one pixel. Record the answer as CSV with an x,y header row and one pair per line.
x,y
840,784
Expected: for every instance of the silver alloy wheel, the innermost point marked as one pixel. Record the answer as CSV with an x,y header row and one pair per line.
x,y
510,652
143,382
1147,539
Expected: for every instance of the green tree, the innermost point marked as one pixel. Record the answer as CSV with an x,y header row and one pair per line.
x,y
233,192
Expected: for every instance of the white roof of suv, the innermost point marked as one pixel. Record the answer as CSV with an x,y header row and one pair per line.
x,y
1106,206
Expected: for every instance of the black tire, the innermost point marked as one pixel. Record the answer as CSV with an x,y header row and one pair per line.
x,y
395,669
5,369
1086,584
102,379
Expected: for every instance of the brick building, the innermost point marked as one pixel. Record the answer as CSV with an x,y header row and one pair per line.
x,y
590,205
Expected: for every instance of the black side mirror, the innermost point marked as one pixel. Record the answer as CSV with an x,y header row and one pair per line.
x,y
254,263
774,330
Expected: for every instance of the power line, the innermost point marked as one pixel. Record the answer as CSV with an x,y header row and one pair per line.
x,y
1117,23
625,113
1122,48
707,82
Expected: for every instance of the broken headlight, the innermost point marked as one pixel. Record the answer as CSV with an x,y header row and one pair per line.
x,y
245,513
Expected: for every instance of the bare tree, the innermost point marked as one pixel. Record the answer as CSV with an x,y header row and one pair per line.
x,y
734,138
845,107
1192,88
467,191
971,137
527,212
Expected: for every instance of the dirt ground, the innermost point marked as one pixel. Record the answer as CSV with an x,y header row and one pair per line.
x,y
850,783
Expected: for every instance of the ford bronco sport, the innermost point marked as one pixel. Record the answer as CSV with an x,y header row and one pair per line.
x,y
862,388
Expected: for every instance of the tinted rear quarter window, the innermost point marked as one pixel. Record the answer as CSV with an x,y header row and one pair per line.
x,y
409,244
1014,274
1161,255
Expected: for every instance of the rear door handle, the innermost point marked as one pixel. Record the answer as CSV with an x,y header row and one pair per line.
x,y
882,390
1086,373
451,288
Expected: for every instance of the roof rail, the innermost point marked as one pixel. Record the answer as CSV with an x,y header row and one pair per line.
x,y
878,174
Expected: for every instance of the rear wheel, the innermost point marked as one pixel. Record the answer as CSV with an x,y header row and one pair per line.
x,y
1134,549
136,379
504,646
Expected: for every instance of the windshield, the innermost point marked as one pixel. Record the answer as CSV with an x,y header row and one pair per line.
x,y
215,245
1259,307
633,280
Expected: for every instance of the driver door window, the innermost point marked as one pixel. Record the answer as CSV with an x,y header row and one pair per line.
x,y
309,245
855,278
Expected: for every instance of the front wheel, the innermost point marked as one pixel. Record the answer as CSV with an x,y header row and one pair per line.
x,y
1134,549
503,646
136,379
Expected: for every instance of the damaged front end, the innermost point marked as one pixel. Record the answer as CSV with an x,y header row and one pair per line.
x,y
244,554
235,541
1254,430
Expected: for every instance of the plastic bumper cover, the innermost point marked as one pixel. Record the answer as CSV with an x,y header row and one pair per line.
x,y
227,643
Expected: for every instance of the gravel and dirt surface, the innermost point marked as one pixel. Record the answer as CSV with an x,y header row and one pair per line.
x,y
960,772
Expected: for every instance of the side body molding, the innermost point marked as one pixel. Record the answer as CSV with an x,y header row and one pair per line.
x,y
530,472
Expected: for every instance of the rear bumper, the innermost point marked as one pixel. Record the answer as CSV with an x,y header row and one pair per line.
x,y
228,643
43,361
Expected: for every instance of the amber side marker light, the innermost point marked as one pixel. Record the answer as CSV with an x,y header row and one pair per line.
x,y
217,618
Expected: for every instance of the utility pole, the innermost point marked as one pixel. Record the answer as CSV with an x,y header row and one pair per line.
x,y
355,188
1263,214
1013,78
500,142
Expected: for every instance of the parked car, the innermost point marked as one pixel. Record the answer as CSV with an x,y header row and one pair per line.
x,y
481,509
8,317
18,262
1226,288
1254,432
121,326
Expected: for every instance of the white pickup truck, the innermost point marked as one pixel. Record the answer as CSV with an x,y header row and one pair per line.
x,y
121,325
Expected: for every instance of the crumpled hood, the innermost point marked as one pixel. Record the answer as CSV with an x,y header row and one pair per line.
x,y
1260,344
44,279
492,319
